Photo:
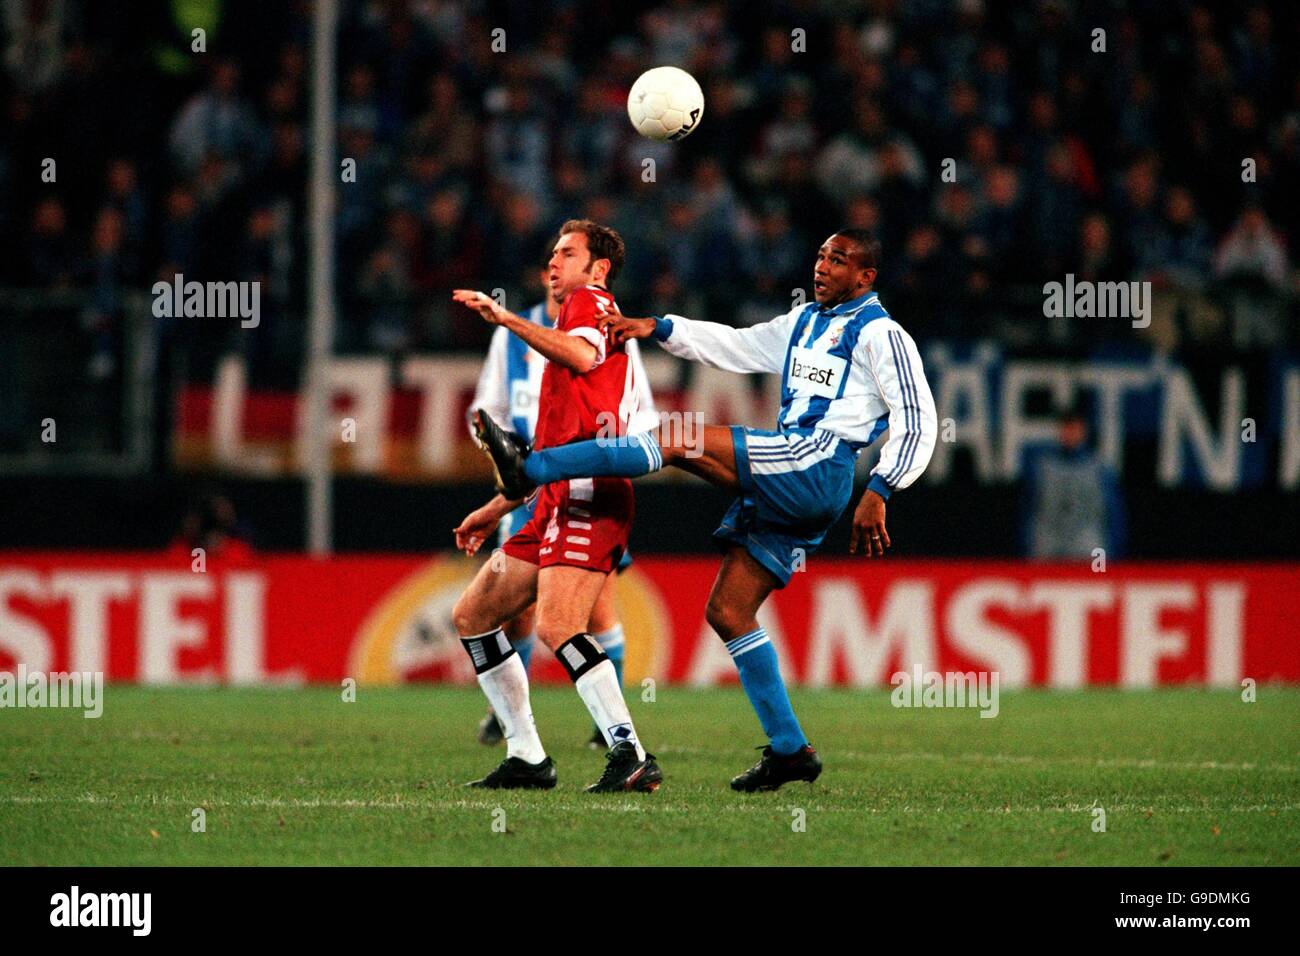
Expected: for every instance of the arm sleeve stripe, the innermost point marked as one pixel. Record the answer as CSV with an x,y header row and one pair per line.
x,y
911,410
908,453
891,477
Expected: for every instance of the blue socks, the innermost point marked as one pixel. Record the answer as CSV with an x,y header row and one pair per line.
x,y
524,648
611,642
755,658
627,456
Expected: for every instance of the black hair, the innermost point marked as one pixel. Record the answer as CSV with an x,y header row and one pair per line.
x,y
869,244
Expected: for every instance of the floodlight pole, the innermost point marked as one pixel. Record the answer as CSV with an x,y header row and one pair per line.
x,y
316,453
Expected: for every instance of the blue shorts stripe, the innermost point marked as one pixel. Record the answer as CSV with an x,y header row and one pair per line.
x,y
788,501
804,450
740,447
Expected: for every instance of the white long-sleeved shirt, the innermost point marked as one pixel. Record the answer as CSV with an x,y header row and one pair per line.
x,y
851,370
510,383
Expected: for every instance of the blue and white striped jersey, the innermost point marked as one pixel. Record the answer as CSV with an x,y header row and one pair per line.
x,y
850,370
510,383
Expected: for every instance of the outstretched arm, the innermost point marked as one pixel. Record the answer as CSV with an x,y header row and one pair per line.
x,y
759,348
571,351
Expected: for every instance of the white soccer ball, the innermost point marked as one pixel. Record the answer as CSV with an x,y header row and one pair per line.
x,y
665,103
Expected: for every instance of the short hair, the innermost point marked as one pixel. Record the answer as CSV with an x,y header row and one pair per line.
x,y
603,243
869,243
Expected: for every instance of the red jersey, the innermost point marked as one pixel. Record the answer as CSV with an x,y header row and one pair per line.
x,y
572,406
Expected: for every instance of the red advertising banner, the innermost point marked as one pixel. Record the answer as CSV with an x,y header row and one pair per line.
x,y
842,622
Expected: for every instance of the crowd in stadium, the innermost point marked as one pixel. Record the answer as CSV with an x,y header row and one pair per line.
x,y
471,146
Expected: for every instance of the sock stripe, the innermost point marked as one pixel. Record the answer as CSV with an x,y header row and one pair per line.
x,y
749,647
756,632
734,649
747,642
610,639
651,449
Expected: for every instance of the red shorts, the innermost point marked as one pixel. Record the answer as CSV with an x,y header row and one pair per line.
x,y
582,523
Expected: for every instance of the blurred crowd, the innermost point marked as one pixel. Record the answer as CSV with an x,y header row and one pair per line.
x,y
470,147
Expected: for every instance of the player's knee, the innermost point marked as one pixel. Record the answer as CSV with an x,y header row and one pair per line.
x,y
723,618
555,633
466,616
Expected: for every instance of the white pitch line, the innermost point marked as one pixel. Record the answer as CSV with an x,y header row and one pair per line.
x,y
651,804
1136,763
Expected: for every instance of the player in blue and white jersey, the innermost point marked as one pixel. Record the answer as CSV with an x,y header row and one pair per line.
x,y
508,389
849,372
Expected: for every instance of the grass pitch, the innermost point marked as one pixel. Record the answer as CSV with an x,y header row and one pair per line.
x,y
1185,777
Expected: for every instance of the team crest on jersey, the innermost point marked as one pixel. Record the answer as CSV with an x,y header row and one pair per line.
x,y
835,336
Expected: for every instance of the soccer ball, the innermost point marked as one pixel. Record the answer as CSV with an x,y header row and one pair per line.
x,y
665,103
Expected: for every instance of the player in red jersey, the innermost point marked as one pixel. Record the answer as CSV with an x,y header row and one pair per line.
x,y
578,531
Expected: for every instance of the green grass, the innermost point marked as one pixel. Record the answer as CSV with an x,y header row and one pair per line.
x,y
299,777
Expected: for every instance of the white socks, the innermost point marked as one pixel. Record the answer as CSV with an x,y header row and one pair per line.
x,y
504,680
506,686
599,690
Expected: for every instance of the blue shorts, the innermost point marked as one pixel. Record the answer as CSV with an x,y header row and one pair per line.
x,y
516,519
793,487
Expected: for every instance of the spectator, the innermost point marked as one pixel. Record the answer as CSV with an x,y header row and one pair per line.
x,y
51,261
1072,507
217,122
852,161
775,256
180,233
1252,264
211,526
1177,263
1055,208
518,143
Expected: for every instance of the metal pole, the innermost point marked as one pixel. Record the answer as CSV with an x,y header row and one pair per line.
x,y
321,280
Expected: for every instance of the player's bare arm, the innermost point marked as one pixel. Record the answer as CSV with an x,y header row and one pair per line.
x,y
568,350
480,523
621,328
